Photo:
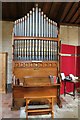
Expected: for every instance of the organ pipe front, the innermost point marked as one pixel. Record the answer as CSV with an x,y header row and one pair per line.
x,y
35,43
37,24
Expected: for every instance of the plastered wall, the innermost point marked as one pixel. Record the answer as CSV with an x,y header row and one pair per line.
x,y
69,35
0,36
7,28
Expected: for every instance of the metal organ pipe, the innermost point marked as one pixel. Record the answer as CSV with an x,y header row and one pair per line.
x,y
20,26
28,35
33,32
27,24
15,28
39,22
49,40
23,26
33,21
47,35
17,24
44,25
21,30
55,29
42,34
52,50
47,50
36,29
20,50
51,28
39,30
25,46
47,25
36,20
30,31
25,35
30,23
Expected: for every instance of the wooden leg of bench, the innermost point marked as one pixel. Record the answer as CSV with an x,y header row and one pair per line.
x,y
26,109
52,114
52,105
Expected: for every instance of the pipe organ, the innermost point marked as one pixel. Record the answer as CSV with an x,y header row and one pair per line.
x,y
35,50
35,41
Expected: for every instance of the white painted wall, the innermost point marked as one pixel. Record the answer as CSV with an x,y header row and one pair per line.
x,y
7,28
69,35
79,36
0,36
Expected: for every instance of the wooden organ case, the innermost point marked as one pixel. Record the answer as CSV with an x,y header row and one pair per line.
x,y
35,52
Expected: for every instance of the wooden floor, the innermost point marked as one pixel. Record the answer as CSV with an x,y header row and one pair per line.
x,y
70,108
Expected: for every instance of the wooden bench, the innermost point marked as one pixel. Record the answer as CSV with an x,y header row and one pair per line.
x,y
39,95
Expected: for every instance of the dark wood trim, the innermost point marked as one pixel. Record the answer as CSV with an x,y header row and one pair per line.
x,y
71,12
69,24
67,8
77,20
47,8
75,17
61,9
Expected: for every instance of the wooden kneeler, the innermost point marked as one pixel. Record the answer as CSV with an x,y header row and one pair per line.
x,y
40,110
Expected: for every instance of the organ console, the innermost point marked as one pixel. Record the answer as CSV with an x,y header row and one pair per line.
x,y
35,51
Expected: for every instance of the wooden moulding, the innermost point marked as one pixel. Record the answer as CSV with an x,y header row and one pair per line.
x,y
28,68
30,64
34,38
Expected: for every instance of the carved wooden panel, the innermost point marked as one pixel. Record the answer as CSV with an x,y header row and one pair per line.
x,y
3,72
23,64
46,68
